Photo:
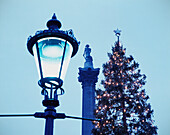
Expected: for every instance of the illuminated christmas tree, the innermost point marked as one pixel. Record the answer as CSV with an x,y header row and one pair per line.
x,y
122,106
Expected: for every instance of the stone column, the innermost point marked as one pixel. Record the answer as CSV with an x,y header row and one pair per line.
x,y
88,77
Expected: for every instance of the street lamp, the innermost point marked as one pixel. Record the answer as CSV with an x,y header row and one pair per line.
x,y
52,50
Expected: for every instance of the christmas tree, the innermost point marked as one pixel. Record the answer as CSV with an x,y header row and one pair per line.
x,y
122,107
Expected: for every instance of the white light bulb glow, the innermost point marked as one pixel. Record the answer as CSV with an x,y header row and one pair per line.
x,y
51,53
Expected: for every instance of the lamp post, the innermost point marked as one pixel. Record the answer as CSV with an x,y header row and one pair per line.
x,y
52,50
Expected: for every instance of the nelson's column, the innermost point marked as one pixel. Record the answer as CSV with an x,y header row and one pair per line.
x,y
88,77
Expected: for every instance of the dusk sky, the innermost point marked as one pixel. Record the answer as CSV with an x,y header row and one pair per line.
x,y
145,26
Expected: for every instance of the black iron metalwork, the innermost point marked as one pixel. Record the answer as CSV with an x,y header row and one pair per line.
x,y
81,118
39,60
49,114
16,115
44,115
62,59
56,82
51,92
54,25
51,86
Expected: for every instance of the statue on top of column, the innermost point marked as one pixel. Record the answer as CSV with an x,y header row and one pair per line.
x,y
89,60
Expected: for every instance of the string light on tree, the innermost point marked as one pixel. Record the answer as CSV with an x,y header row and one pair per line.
x,y
122,106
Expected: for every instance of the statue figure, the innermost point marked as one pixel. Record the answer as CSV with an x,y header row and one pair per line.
x,y
89,60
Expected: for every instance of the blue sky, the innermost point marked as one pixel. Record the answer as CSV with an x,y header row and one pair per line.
x,y
145,26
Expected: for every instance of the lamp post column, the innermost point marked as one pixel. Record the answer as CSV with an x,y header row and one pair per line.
x,y
49,126
88,78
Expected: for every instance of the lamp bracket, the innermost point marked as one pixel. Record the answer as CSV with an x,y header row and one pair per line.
x,y
50,83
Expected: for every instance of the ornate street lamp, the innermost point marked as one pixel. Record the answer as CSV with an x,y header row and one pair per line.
x,y
52,50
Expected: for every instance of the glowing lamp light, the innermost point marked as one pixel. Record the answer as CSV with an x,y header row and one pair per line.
x,y
52,50
54,56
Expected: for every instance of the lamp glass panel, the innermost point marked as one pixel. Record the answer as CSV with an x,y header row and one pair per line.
x,y
51,52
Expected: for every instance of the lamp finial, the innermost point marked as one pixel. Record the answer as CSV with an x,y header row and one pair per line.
x,y
54,23
54,16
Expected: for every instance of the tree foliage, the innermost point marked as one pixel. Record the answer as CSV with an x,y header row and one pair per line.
x,y
122,106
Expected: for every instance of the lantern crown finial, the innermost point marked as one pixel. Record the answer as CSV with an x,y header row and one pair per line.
x,y
54,16
54,23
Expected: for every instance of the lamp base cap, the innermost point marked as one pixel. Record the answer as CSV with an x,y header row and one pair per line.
x,y
52,103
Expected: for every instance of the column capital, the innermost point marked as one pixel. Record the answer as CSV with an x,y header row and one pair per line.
x,y
88,74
